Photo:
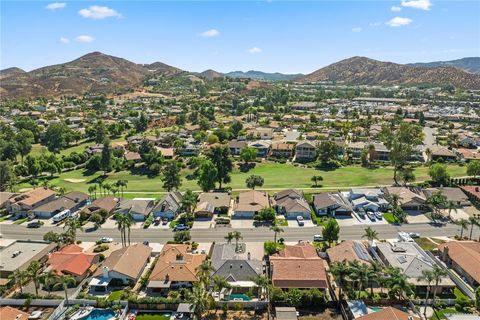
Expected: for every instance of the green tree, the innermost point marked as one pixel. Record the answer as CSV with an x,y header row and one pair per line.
x,y
189,200
122,184
237,235
71,226
198,299
204,271
171,176
106,160
57,136
141,123
428,277
221,159
439,174
293,297
248,154
65,281
276,230
181,236
254,181
463,223
24,140
270,247
33,272
327,151
100,132
331,231
48,279
370,234
207,176
473,168
229,237
266,214
315,179
18,277
451,206
220,283
340,271
6,174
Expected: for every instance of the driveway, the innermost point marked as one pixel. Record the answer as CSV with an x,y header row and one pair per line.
x,y
456,215
242,223
357,220
344,221
202,224
294,224
417,217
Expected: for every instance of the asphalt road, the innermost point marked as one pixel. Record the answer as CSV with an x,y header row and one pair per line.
x,y
259,234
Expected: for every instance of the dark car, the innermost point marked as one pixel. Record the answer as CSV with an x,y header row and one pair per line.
x,y
34,224
181,227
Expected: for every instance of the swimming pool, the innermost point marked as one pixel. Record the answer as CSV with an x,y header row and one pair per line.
x,y
234,296
100,314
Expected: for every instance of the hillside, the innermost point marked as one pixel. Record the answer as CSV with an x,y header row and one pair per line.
x,y
471,64
162,68
94,72
259,75
10,72
211,74
361,70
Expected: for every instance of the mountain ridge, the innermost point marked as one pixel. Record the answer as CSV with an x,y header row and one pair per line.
x,y
469,64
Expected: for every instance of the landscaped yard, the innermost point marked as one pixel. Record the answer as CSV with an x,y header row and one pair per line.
x,y
440,314
426,244
115,295
390,218
276,176
153,316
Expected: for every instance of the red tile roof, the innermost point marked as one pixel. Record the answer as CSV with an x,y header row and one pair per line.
x,y
466,254
388,313
9,313
71,260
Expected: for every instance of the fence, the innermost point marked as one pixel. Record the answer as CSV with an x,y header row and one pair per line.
x,y
256,305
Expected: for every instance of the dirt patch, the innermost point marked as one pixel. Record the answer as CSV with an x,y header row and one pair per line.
x,y
75,180
236,315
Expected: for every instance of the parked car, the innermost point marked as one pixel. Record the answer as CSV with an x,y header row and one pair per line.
x,y
180,227
317,238
403,236
300,221
379,215
371,216
157,221
106,240
34,224
164,221
414,235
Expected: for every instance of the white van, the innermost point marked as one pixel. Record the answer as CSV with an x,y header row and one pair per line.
x,y
61,215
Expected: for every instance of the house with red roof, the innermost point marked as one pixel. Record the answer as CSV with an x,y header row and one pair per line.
x,y
72,261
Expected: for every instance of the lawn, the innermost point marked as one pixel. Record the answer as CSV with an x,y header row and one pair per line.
x,y
426,244
115,295
276,176
152,316
20,221
390,218
440,314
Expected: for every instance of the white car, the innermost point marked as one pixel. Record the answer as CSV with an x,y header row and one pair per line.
x,y
300,221
317,238
106,240
405,237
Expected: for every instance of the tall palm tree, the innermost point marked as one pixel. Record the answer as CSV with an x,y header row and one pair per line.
x,y
263,283
92,190
120,221
122,184
370,234
276,230
47,279
18,277
438,274
71,226
100,187
128,223
450,206
361,275
237,235
473,222
107,187
63,282
198,299
463,223
340,270
204,270
220,283
398,283
428,277
33,272
229,237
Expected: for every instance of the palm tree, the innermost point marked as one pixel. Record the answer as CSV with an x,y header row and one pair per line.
x,y
18,277
128,223
237,235
340,270
63,282
220,283
276,230
398,283
107,187
371,235
360,274
92,190
100,187
204,271
120,221
114,190
229,237
315,180
62,191
428,153
198,299
122,184
33,272
438,274
188,202
71,226
263,283
451,206
463,223
47,279
428,277
473,222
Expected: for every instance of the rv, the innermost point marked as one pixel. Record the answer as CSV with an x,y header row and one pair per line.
x,y
61,215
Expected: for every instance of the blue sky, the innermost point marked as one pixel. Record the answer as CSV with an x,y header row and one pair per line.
x,y
270,36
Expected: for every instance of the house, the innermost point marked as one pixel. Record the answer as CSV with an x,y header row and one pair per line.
x,y
169,206
367,199
132,156
306,151
298,266
304,106
236,146
218,201
123,267
238,268
4,197
167,153
108,203
456,195
138,208
176,268
282,150
442,153
412,260
464,258
349,251
72,261
260,133
467,154
408,198
10,313
262,146
292,204
331,204
25,202
71,201
94,149
388,313
249,203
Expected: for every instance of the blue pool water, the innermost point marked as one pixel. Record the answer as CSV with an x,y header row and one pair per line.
x,y
244,297
100,315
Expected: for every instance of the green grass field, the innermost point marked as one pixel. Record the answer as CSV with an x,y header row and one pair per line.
x,y
276,176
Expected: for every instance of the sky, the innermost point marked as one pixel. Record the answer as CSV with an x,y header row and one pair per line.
x,y
271,36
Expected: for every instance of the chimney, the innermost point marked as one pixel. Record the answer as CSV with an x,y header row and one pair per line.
x,y
445,253
248,256
105,272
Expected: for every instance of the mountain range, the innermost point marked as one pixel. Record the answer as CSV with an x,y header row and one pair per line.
x,y
470,64
100,73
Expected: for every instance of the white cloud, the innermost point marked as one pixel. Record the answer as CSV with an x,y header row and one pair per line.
x,y
396,9
417,4
254,50
85,39
375,24
56,5
210,33
64,40
398,22
357,29
98,13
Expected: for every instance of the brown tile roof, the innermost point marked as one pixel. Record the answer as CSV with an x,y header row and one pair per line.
x,y
466,254
217,199
345,252
107,203
283,146
32,197
301,250
388,313
299,273
128,261
474,190
405,194
9,313
71,260
252,200
177,263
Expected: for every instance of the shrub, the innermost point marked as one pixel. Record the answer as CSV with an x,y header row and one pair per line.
x,y
101,248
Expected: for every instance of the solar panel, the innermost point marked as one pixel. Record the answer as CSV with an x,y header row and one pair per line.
x,y
402,259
